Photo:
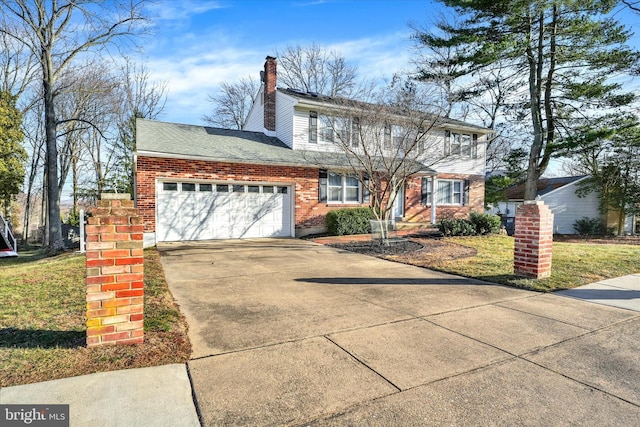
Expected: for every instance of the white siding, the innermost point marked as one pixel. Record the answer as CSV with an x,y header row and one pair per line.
x,y
458,164
567,207
301,134
255,119
284,118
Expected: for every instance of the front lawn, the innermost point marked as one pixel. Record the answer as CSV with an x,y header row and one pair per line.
x,y
573,264
42,321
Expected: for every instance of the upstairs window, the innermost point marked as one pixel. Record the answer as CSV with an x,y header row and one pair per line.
x,y
461,144
326,128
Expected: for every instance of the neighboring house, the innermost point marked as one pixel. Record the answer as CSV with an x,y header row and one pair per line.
x,y
197,182
559,194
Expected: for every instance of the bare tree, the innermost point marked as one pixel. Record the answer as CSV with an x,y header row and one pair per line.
x,y
315,69
382,141
16,66
232,104
137,97
56,32
34,138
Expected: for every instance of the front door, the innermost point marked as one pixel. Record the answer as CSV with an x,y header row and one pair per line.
x,y
398,204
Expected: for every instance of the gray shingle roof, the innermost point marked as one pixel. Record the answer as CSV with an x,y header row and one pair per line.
x,y
545,185
164,139
337,101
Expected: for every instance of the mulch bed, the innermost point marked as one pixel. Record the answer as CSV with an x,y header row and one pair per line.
x,y
417,251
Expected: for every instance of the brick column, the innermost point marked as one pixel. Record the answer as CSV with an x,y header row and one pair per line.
x,y
115,263
533,240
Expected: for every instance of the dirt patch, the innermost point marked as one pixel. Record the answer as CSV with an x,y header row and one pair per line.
x,y
419,252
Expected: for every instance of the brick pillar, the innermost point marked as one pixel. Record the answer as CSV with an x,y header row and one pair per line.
x,y
115,263
533,240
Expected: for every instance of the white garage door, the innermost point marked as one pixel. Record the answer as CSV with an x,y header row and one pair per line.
x,y
204,211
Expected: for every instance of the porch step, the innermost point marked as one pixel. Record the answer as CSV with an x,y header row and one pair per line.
x,y
423,228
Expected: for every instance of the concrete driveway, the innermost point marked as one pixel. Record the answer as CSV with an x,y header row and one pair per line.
x,y
288,332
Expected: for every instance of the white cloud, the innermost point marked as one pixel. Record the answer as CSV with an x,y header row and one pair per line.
x,y
194,66
181,10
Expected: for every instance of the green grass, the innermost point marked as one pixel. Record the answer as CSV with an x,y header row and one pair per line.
x,y
573,264
42,321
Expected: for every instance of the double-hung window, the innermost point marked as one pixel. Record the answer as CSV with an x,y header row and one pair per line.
x,y
343,188
449,191
326,128
340,188
461,144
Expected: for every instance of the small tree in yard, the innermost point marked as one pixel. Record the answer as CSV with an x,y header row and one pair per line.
x,y
611,156
12,153
381,142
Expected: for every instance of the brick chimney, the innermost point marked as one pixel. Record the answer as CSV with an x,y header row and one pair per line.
x,y
269,79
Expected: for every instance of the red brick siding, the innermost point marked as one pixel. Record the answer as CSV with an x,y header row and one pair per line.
x,y
309,213
415,211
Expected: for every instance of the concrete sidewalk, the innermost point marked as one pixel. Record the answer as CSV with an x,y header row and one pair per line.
x,y
156,396
623,292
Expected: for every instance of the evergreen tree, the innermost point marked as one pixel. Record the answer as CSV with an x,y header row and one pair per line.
x,y
563,55
12,154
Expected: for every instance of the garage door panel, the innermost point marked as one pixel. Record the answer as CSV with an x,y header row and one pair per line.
x,y
213,214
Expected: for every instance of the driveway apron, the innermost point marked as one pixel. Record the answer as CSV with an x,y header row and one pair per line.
x,y
289,332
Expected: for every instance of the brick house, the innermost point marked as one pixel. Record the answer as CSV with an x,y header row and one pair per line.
x,y
197,182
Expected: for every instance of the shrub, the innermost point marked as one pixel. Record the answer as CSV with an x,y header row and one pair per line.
x,y
485,223
456,227
349,221
588,226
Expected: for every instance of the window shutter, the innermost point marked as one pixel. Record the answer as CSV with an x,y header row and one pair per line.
x,y
322,185
313,127
474,146
447,142
465,194
366,191
424,195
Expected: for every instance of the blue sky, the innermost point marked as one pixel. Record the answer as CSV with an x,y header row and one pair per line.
x,y
199,43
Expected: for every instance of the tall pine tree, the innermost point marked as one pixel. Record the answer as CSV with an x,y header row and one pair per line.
x,y
563,56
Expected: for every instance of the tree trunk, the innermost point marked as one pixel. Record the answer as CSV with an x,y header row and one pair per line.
x,y
54,225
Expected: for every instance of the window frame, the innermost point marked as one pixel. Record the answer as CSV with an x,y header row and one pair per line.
x,y
343,189
461,144
452,192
